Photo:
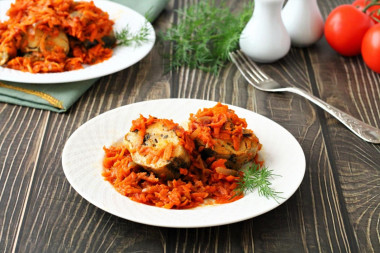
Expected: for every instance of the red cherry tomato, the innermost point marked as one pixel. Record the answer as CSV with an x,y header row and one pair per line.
x,y
345,28
371,48
373,11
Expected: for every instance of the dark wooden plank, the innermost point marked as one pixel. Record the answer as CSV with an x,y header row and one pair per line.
x,y
21,137
349,85
315,208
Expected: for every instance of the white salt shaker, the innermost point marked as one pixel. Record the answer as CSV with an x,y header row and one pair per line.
x,y
303,21
265,39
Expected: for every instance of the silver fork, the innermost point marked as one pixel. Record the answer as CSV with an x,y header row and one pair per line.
x,y
261,81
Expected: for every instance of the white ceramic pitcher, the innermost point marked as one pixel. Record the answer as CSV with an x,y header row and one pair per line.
x,y
265,39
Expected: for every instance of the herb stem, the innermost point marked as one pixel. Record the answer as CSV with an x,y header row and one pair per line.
x,y
258,178
370,5
126,38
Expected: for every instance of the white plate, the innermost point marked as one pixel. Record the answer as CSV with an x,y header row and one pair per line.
x,y
122,57
83,153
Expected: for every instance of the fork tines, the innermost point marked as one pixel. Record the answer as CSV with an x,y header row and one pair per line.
x,y
247,67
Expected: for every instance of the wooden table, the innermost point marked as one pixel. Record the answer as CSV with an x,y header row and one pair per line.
x,y
336,208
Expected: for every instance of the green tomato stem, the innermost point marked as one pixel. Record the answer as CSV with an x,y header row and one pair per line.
x,y
377,20
370,5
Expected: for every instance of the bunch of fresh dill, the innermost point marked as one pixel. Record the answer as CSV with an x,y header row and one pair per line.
x,y
257,178
205,34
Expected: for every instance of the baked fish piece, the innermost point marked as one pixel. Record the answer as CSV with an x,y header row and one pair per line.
x,y
224,149
158,145
218,133
7,51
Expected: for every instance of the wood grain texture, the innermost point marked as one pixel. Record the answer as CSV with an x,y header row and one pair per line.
x,y
353,88
336,208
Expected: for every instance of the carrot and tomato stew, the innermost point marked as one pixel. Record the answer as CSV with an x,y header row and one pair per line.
x,y
161,164
54,36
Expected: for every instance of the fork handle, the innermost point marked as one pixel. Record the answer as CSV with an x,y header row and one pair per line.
x,y
361,129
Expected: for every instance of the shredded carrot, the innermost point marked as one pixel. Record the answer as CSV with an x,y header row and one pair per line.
x,y
168,151
187,192
65,26
218,122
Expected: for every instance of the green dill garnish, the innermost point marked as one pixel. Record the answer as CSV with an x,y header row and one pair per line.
x,y
205,34
126,38
258,178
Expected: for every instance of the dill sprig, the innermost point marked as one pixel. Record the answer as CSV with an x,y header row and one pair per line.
x,y
205,34
256,177
126,38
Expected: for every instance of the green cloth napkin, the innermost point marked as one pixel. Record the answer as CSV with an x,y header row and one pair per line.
x,y
59,97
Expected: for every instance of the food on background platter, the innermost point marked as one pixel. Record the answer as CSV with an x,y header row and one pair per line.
x,y
162,164
53,36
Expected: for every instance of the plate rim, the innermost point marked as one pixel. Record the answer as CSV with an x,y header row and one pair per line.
x,y
56,77
146,222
